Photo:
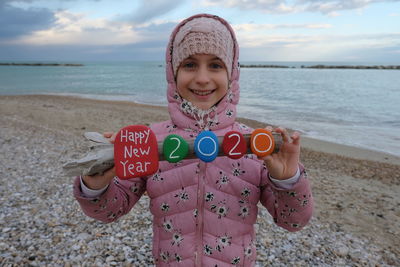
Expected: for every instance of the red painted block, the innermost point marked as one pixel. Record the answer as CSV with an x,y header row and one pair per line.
x,y
234,145
135,152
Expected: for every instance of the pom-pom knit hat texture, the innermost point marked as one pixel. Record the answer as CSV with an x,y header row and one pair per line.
x,y
203,35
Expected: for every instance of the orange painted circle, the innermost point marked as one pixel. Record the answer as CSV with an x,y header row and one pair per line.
x,y
262,142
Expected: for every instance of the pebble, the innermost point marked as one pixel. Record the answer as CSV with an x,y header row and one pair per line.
x,y
43,225
342,251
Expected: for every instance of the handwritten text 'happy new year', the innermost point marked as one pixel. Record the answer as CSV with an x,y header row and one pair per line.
x,y
136,147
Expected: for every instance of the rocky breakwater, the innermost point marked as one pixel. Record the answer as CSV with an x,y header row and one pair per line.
x,y
359,67
264,66
320,66
43,64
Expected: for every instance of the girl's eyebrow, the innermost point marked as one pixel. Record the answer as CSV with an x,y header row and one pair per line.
x,y
190,58
193,58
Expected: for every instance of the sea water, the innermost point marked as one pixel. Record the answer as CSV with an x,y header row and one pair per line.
x,y
356,107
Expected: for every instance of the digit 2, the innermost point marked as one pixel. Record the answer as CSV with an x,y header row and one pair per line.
x,y
175,148
234,145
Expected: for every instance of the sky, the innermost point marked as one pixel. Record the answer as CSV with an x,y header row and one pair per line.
x,y
267,30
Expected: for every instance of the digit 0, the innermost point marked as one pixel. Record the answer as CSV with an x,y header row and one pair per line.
x,y
175,148
234,145
206,146
262,142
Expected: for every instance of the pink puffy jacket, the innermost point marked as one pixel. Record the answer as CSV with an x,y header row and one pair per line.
x,y
204,213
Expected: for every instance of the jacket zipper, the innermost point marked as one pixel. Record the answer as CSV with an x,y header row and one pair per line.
x,y
200,214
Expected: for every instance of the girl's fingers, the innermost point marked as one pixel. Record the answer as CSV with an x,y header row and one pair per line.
x,y
295,138
112,139
111,136
268,160
269,128
108,134
284,133
110,173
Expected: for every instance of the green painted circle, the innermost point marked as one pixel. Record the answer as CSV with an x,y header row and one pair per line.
x,y
175,148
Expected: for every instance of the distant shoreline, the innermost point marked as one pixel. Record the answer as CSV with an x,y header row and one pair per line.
x,y
377,67
42,64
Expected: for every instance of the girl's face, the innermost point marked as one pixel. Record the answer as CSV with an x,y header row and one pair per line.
x,y
203,80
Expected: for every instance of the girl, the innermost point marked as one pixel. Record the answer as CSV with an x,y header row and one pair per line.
x,y
204,212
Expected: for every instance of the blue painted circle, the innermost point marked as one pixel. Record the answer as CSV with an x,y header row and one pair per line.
x,y
206,146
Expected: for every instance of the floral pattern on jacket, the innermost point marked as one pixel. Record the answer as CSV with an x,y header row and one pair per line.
x,y
207,208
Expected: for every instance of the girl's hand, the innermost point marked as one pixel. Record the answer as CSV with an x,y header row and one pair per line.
x,y
111,136
100,181
284,164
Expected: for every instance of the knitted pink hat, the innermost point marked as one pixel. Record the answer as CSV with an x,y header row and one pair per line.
x,y
203,35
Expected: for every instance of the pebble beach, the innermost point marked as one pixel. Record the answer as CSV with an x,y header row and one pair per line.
x,y
356,220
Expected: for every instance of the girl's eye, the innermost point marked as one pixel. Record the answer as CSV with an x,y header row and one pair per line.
x,y
216,65
189,65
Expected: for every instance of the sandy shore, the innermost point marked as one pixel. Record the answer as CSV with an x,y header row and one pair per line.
x,y
356,220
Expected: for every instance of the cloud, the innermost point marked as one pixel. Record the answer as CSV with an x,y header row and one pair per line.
x,y
77,37
328,7
331,6
30,32
80,53
302,47
17,21
74,29
73,36
255,35
248,27
38,1
268,6
149,9
249,39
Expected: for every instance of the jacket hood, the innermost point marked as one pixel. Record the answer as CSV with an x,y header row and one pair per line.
x,y
182,112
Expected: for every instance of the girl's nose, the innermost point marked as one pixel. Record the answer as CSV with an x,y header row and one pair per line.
x,y
202,75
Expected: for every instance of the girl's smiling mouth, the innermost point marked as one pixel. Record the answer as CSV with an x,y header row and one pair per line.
x,y
202,92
